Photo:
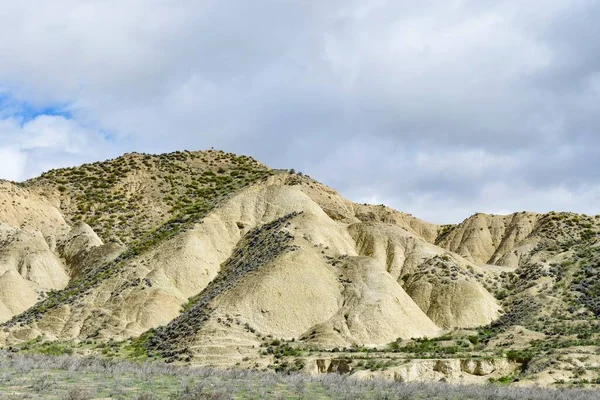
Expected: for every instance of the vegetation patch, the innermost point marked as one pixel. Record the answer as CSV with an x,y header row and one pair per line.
x,y
37,377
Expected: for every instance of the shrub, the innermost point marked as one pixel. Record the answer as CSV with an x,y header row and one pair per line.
x,y
77,393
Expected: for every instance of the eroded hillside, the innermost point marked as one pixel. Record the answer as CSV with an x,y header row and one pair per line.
x,y
215,259
124,198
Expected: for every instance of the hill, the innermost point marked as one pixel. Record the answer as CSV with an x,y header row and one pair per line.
x,y
215,259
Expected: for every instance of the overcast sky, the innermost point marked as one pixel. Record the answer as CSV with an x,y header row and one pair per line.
x,y
437,108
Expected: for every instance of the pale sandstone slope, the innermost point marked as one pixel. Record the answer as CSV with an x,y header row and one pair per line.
x,y
343,210
39,251
302,293
24,209
28,253
451,293
448,288
375,309
29,266
16,294
395,248
346,283
490,239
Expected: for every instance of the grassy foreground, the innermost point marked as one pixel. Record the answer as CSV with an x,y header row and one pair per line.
x,y
32,376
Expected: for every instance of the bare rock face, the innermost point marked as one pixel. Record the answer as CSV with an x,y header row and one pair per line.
x,y
16,294
330,366
28,253
451,293
448,288
375,310
80,239
447,370
24,209
29,262
487,239
39,251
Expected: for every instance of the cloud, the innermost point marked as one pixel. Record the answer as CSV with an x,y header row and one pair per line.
x,y
13,163
440,108
45,142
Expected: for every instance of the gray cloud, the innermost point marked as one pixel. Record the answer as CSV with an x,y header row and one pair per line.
x,y
439,108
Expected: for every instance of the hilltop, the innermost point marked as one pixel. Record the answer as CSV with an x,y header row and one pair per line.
x,y
215,259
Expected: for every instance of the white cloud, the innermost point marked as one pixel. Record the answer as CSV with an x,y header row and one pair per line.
x,y
413,102
46,142
12,163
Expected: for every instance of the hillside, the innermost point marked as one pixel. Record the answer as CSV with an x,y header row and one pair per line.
x,y
215,259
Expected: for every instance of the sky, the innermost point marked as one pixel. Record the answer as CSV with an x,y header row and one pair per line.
x,y
437,108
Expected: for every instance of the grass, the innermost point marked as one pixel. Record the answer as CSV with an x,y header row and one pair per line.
x,y
75,378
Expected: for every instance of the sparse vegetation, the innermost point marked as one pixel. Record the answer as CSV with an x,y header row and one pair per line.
x,y
114,196
259,247
98,378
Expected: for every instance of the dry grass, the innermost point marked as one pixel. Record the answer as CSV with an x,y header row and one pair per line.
x,y
75,378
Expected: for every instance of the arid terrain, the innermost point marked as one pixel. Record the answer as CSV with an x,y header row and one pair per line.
x,y
213,260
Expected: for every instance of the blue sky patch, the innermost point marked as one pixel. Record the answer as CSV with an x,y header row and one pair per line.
x,y
25,111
